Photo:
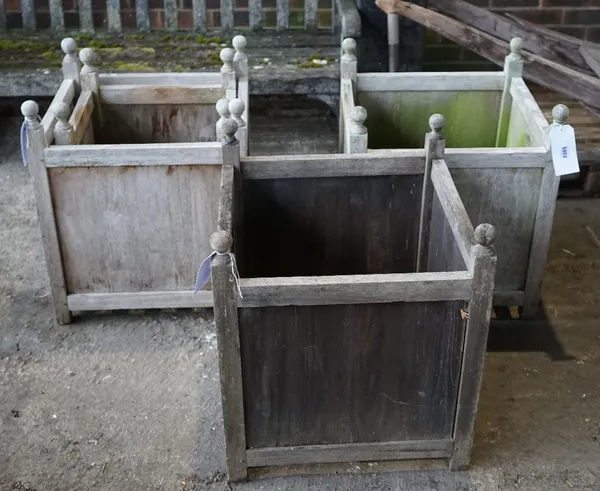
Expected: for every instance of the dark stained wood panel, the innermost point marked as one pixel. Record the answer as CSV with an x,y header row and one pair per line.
x,y
325,226
443,254
350,374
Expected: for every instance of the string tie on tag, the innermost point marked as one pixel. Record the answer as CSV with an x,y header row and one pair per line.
x,y
204,272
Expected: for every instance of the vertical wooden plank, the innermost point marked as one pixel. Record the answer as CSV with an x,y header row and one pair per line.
x,y
310,14
90,81
283,15
435,145
228,74
86,22
513,67
348,70
71,65
393,24
36,141
226,15
113,15
199,7
255,14
28,14
542,230
170,15
142,15
57,18
2,15
479,312
230,369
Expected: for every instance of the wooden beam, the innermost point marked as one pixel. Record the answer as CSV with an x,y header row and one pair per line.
x,y
591,54
351,289
139,300
349,452
159,79
537,124
66,94
82,115
437,82
160,94
544,72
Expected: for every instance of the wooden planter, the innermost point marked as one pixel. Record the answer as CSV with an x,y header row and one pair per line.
x,y
497,152
127,181
336,350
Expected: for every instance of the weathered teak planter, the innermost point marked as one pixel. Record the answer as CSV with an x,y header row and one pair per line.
x,y
337,349
498,153
127,184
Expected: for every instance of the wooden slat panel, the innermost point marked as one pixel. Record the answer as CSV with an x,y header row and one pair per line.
x,y
227,15
156,154
81,117
170,14
57,18
310,14
86,22
508,298
536,122
136,229
283,15
139,300
158,79
199,9
160,94
142,15
351,289
443,252
349,452
255,14
350,373
28,14
66,94
433,81
113,15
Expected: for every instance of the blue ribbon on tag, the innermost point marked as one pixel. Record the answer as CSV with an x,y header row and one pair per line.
x,y
24,143
203,273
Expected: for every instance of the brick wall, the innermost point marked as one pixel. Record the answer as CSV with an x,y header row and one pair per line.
x,y
580,18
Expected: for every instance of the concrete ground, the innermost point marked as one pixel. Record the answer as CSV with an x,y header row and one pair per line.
x,y
132,402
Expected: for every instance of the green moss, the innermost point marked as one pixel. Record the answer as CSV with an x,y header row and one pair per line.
x,y
314,61
53,64
140,66
52,55
10,45
136,37
178,68
83,38
95,43
214,58
165,38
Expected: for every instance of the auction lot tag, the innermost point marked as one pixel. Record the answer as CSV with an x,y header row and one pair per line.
x,y
564,149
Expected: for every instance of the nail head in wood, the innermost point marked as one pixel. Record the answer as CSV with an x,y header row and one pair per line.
x,y
236,108
485,234
358,115
560,113
221,241
30,110
226,56
349,49
69,46
229,127
88,58
223,108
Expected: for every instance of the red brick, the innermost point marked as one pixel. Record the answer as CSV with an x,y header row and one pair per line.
x,y
538,16
155,4
13,5
213,19
128,18
98,5
579,17
69,5
480,3
157,19
577,32
213,5
14,20
186,5
571,3
99,19
515,3
593,34
41,5
42,20
185,19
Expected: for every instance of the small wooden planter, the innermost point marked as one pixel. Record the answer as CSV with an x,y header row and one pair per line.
x,y
498,152
127,181
336,350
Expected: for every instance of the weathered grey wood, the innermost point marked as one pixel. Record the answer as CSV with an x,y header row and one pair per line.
x,y
591,54
158,154
349,452
283,15
113,15
150,94
402,162
36,141
537,124
226,15
199,10
455,212
228,75
2,15
443,250
90,81
142,15
82,116
66,94
63,131
355,289
81,302
222,108
240,59
71,65
479,312
225,216
508,298
28,14
513,67
435,145
357,137
158,79
244,95
310,15
228,339
348,62
427,81
237,108
255,14
346,105
86,22
170,7
57,18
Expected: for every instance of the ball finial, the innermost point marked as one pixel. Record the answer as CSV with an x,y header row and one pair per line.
x,y
227,55
223,108
239,43
358,114
516,45
68,46
485,234
221,241
560,113
349,46
437,123
229,127
62,111
237,107
30,109
87,56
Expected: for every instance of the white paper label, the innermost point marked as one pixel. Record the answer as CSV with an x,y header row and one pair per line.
x,y
564,150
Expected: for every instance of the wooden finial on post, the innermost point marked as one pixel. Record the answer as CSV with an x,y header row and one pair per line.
x,y
71,65
223,110
513,67
90,81
358,134
221,241
435,146
63,131
348,64
228,74
476,334
229,128
560,114
231,145
36,142
240,58
237,108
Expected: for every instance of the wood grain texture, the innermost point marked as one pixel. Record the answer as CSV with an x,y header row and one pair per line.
x,y
226,199
66,94
86,21
160,94
350,374
350,452
430,81
81,117
142,15
135,229
318,227
139,300
161,78
537,125
159,123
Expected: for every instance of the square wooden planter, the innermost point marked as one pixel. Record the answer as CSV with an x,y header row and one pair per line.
x,y
127,171
497,151
332,348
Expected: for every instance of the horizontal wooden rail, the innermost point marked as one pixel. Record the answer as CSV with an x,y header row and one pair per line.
x,y
166,78
400,162
161,94
349,452
142,300
537,124
351,289
66,94
430,81
455,211
134,155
